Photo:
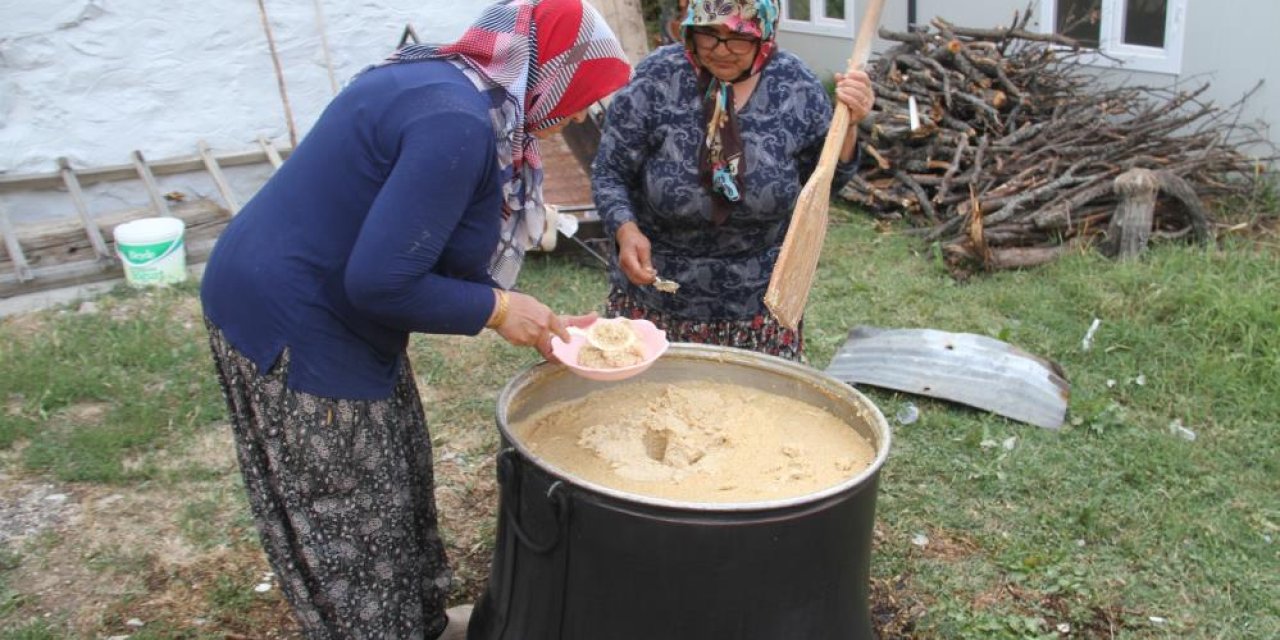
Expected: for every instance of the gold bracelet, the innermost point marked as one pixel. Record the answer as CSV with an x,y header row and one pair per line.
x,y
500,310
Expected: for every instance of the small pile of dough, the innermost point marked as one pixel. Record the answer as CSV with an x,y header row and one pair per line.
x,y
597,358
611,344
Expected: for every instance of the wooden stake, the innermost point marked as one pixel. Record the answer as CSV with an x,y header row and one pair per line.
x,y
82,207
149,181
324,45
793,275
20,266
275,60
268,148
219,180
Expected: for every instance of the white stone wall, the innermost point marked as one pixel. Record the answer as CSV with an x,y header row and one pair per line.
x,y
93,80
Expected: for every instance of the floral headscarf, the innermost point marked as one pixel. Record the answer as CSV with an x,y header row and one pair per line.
x,y
721,158
545,60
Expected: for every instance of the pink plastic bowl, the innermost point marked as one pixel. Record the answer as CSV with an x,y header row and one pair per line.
x,y
655,344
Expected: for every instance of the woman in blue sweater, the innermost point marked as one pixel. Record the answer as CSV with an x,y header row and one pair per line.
x,y
407,208
701,161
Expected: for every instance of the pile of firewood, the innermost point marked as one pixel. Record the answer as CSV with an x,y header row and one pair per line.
x,y
1002,145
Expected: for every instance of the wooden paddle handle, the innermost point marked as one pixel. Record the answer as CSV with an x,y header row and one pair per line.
x,y
866,34
840,118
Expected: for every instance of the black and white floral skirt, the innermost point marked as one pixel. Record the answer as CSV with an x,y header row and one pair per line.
x,y
343,496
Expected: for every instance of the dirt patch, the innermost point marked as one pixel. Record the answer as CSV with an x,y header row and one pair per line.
x,y
212,450
169,556
944,545
86,413
182,557
28,508
25,326
467,500
895,609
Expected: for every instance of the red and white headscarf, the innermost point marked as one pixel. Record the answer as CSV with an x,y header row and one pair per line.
x,y
549,59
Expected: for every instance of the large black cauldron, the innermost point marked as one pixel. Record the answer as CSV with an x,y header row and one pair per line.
x,y
579,561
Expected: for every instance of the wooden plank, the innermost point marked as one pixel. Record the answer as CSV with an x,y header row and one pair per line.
x,y
62,240
269,148
81,273
626,19
565,182
116,173
82,208
57,266
970,369
21,271
211,165
153,190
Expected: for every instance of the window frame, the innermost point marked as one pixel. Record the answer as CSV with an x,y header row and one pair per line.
x,y
1115,53
820,24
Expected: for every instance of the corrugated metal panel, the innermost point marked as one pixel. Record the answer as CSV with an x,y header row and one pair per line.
x,y
970,369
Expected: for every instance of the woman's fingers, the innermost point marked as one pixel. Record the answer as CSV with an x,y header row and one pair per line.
x,y
634,254
855,92
530,323
557,327
581,322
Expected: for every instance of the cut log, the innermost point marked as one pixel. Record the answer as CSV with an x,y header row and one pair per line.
x,y
1132,225
1130,228
1172,185
970,369
1019,128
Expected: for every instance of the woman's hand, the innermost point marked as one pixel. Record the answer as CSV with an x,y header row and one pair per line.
x,y
634,254
529,323
854,91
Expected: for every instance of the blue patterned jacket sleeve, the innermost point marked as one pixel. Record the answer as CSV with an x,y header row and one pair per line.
x,y
615,172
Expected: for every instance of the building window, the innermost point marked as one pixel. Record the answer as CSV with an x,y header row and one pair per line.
x,y
825,17
1141,35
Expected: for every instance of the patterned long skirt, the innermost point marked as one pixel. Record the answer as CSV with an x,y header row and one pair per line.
x,y
762,333
343,497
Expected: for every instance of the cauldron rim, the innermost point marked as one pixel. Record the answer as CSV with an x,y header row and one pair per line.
x,y
726,355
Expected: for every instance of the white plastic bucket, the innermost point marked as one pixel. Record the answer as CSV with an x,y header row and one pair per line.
x,y
152,251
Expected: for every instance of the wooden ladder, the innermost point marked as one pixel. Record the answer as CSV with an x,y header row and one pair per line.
x,y
73,181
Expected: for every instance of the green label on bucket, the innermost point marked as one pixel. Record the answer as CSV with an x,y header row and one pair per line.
x,y
144,254
154,263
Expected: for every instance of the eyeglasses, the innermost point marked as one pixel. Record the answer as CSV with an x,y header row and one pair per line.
x,y
709,41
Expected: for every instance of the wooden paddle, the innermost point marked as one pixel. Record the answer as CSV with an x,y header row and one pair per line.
x,y
793,274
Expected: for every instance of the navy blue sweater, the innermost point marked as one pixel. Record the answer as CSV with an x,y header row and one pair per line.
x,y
381,223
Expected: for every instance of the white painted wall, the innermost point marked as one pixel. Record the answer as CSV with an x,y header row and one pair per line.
x,y
1226,46
93,80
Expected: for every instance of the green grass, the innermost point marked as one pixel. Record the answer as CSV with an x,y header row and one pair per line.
x,y
1111,527
34,630
9,598
137,355
1159,526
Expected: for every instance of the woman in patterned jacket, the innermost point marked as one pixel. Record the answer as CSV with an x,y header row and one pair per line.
x,y
701,161
406,209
